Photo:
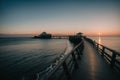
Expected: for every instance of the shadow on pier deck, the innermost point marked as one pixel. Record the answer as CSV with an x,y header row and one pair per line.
x,y
93,67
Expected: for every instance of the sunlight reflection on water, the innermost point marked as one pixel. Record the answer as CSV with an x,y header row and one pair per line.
x,y
99,40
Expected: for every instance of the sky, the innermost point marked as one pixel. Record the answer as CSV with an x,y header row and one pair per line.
x,y
90,17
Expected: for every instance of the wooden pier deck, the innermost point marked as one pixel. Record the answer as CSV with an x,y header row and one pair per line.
x,y
88,60
93,67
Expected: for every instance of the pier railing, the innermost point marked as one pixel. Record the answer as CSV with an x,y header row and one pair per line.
x,y
112,56
64,66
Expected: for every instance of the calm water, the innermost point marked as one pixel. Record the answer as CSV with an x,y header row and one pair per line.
x,y
26,56
111,42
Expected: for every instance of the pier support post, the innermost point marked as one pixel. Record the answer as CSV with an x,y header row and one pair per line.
x,y
113,59
74,59
97,46
81,49
103,50
78,53
67,73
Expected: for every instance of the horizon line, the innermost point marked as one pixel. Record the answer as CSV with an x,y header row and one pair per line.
x,y
90,35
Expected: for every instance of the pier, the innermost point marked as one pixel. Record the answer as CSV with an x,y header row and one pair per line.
x,y
93,65
60,37
88,60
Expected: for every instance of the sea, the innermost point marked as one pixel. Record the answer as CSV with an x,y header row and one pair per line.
x,y
110,42
24,57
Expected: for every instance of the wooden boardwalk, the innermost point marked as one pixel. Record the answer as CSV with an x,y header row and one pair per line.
x,y
93,67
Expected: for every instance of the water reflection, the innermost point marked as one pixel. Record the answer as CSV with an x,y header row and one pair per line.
x,y
99,40
28,56
111,42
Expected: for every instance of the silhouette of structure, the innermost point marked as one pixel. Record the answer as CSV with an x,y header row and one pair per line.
x,y
44,35
79,34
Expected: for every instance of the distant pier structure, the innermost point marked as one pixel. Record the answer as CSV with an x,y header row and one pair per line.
x,y
60,36
44,35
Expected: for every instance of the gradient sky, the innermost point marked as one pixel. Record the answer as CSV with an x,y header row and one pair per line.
x,y
60,17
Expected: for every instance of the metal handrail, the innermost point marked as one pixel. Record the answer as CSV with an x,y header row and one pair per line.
x,y
60,63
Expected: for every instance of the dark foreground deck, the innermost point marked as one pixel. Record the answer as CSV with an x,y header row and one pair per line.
x,y
93,67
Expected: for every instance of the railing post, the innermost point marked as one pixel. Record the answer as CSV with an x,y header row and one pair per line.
x,y
97,46
78,53
103,50
81,48
67,73
74,59
94,42
113,59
